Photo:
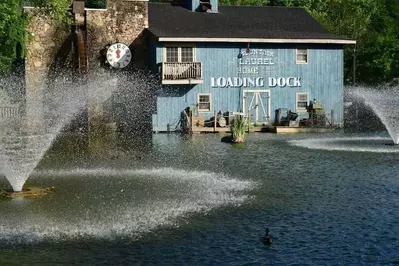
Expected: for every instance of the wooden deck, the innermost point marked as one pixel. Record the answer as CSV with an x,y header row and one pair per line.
x,y
198,127
274,129
227,129
291,130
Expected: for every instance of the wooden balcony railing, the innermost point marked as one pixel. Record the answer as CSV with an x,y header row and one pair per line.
x,y
179,73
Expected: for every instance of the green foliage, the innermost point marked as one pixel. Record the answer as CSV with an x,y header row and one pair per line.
x,y
13,23
239,127
12,32
57,9
345,18
373,24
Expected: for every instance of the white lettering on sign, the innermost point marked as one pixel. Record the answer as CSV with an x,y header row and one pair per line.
x,y
256,61
282,82
222,82
248,70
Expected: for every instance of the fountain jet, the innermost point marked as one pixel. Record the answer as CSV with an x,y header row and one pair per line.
x,y
384,102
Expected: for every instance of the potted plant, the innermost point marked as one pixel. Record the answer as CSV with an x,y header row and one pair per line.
x,y
238,128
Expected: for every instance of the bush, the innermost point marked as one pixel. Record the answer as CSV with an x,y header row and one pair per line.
x,y
239,127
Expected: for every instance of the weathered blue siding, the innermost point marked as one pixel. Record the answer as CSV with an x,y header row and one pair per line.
x,y
321,77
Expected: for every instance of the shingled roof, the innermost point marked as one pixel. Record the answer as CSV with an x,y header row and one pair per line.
x,y
234,23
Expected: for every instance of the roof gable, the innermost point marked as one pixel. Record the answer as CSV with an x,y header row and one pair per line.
x,y
235,22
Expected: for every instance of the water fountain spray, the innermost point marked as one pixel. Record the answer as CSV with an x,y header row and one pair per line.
x,y
384,101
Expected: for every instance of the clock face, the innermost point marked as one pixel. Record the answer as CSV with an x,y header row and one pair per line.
x,y
119,55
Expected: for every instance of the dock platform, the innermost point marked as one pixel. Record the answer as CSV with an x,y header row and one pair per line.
x,y
265,129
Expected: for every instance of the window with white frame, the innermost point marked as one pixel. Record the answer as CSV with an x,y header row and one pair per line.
x,y
180,54
302,56
172,54
301,101
204,102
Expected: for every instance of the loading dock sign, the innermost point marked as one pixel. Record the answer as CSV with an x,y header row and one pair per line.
x,y
256,68
222,82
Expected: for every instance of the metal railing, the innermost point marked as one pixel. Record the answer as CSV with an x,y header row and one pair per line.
x,y
10,111
181,71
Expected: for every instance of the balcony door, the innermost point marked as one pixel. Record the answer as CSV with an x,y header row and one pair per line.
x,y
256,104
179,54
179,65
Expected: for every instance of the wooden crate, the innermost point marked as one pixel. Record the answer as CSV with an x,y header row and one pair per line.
x,y
198,121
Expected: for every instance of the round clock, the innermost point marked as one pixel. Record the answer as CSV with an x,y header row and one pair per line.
x,y
119,55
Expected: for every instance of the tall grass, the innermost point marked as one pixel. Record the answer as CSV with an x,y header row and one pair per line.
x,y
239,127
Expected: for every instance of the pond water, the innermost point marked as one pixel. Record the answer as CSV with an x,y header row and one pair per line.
x,y
198,201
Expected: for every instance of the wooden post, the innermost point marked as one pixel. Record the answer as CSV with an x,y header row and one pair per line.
x,y
332,117
214,122
311,118
278,117
191,122
248,121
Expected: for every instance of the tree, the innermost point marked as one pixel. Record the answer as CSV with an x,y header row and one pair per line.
x,y
347,18
379,58
373,24
12,32
57,9
13,23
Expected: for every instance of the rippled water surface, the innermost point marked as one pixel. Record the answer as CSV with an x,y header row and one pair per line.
x,y
327,199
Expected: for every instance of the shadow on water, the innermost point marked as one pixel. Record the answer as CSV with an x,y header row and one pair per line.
x,y
89,149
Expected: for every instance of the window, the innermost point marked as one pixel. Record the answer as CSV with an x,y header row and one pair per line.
x,y
174,54
187,54
302,101
301,56
204,102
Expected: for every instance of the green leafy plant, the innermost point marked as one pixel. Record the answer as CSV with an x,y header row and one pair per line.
x,y
239,127
12,32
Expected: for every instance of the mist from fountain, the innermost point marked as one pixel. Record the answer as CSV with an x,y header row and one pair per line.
x,y
22,150
121,205
384,101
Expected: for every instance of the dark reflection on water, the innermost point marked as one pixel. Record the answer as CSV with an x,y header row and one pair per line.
x,y
322,207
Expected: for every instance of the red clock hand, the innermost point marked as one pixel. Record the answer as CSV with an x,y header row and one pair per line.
x,y
118,53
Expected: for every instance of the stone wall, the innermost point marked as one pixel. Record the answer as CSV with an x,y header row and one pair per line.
x,y
45,41
122,21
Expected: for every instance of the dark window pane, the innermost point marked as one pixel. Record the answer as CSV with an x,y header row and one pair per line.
x,y
172,54
204,106
187,54
203,98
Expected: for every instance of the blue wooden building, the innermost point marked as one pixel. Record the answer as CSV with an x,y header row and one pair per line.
x,y
253,60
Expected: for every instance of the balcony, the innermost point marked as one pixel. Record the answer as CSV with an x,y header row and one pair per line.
x,y
182,73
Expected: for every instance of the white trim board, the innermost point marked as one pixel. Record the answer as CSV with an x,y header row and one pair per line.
x,y
250,40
